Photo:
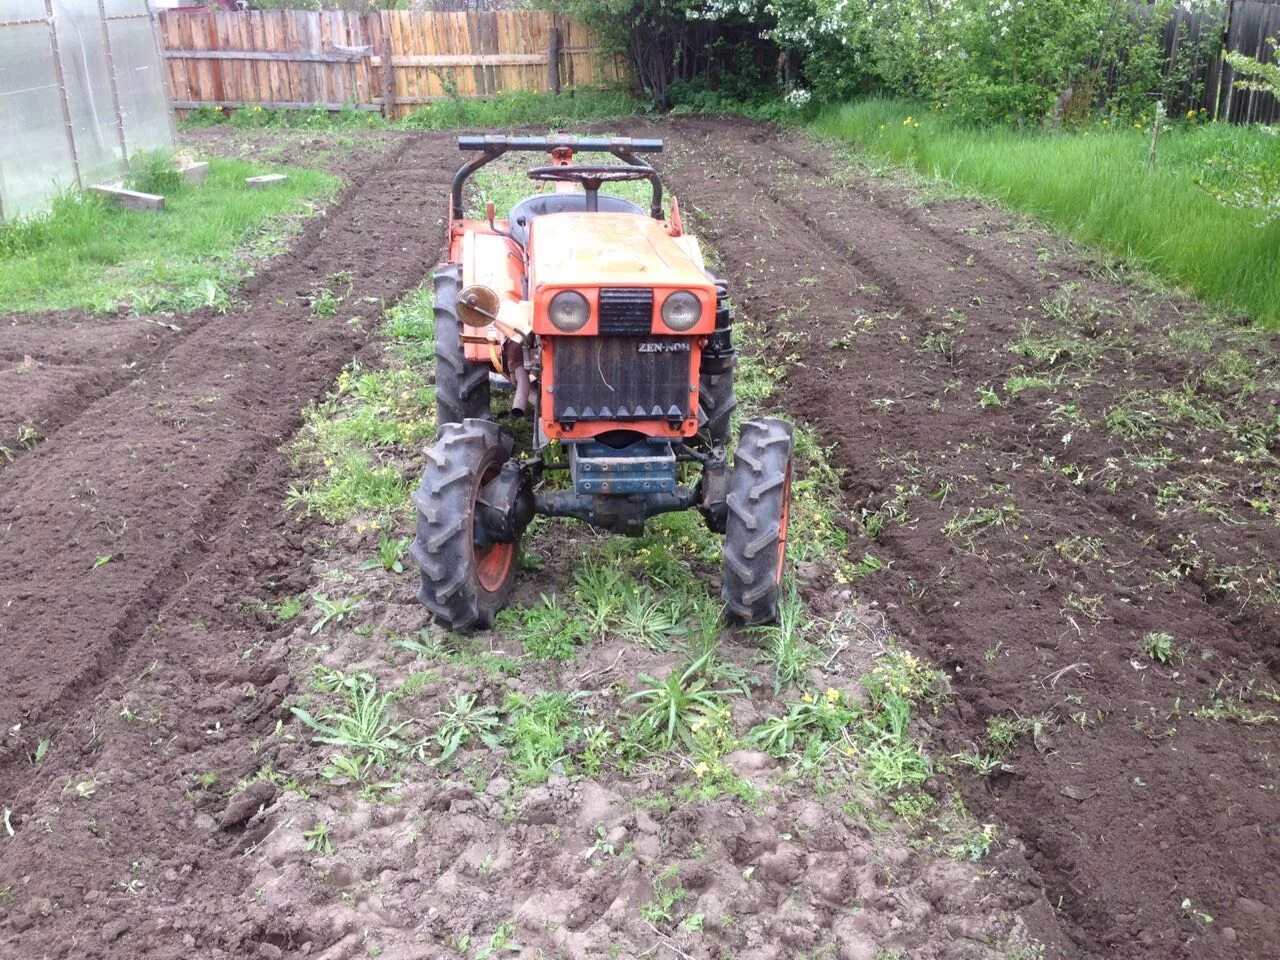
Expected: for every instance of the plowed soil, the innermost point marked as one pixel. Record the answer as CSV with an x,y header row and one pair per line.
x,y
1136,806
1036,536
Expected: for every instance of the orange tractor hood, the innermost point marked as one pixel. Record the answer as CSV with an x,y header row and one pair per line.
x,y
609,249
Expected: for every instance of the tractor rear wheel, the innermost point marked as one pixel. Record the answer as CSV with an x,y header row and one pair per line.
x,y
467,575
759,510
462,385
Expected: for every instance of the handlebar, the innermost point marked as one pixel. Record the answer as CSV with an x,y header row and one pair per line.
x,y
614,145
491,148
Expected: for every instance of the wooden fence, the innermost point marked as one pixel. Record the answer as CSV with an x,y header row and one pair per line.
x,y
1251,27
393,62
1193,42
399,60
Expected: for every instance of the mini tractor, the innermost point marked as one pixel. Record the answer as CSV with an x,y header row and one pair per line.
x,y
616,342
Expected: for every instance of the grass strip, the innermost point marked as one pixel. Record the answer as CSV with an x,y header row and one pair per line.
x,y
505,109
89,254
1092,183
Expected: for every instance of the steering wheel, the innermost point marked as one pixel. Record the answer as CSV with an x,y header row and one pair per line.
x,y
591,176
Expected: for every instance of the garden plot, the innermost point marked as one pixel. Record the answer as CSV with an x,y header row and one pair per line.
x,y
1020,705
1070,478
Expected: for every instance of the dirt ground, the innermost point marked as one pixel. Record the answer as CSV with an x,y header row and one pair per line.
x,y
1136,807
1000,406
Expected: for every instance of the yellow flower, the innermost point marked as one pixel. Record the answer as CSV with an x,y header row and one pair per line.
x,y
1106,123
700,769
906,122
807,698
832,694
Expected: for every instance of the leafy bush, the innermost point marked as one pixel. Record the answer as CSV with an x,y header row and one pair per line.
x,y
1248,176
1019,61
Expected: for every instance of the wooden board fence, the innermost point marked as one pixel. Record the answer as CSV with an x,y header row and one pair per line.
x,y
1251,27
394,61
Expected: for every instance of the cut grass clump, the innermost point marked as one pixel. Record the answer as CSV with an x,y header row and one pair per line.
x,y
85,253
1093,185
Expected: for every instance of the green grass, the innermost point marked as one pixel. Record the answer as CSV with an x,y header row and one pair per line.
x,y
89,254
522,108
517,108
1092,184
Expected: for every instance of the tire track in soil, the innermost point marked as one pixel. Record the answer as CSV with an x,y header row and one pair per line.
x,y
1123,859
147,475
133,864
54,365
104,353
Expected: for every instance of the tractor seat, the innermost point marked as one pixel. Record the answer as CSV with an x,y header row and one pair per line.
x,y
523,213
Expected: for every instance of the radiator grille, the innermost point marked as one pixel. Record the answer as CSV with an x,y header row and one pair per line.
x,y
620,378
626,312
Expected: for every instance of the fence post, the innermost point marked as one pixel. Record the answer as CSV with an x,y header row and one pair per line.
x,y
388,70
553,55
62,90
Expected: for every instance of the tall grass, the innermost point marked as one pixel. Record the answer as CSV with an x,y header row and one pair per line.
x,y
1094,186
522,108
505,109
86,253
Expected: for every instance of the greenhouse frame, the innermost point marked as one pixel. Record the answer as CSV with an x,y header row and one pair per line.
x,y
82,91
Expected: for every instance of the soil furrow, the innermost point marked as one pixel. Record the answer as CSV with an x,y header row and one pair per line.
x,y
1009,611
146,476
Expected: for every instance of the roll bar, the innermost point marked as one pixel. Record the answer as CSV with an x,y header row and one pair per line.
x,y
491,148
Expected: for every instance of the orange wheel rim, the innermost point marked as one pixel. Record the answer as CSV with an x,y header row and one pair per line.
x,y
785,521
493,563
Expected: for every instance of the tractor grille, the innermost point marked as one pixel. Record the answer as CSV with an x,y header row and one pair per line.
x,y
626,312
620,378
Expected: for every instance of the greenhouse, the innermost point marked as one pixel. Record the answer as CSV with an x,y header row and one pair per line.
x,y
82,90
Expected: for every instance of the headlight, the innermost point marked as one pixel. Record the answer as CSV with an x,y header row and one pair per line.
x,y
681,310
569,311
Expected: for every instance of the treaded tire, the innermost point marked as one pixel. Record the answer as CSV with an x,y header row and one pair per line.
x,y
464,584
716,403
462,385
756,528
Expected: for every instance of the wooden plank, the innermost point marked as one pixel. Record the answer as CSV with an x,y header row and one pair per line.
x,y
462,60
195,173
311,74
287,56
255,39
266,180
211,26
129,199
360,31
279,81
271,105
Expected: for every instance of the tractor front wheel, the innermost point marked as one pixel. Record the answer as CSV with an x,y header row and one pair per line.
x,y
467,574
759,509
462,385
